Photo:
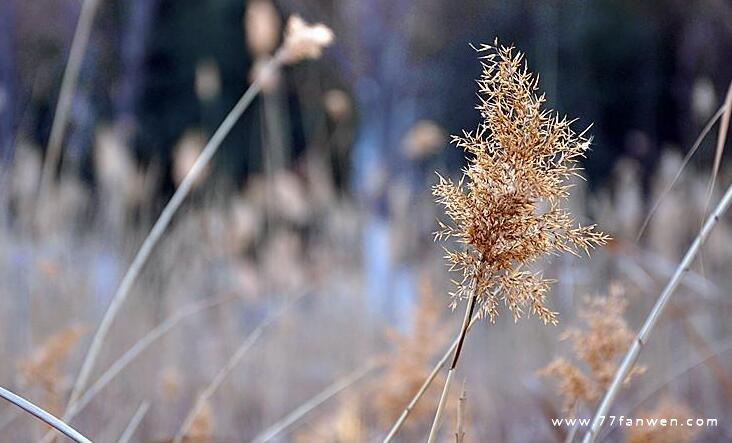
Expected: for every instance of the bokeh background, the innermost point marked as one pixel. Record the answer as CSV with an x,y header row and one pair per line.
x,y
321,195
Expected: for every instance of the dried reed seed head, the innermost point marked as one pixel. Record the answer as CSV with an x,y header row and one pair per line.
x,y
424,139
208,80
186,153
43,367
262,25
304,41
574,386
337,105
604,337
508,209
201,428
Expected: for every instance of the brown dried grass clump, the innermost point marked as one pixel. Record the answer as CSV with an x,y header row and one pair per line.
x,y
345,425
667,409
404,374
44,368
605,337
508,209
201,429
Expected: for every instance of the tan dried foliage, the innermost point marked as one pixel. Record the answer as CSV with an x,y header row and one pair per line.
x,y
597,346
667,409
508,208
201,429
44,368
345,425
411,362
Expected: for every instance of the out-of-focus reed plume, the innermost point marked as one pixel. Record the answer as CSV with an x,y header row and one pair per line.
x,y
262,26
208,80
425,138
337,105
304,41
604,336
44,368
404,375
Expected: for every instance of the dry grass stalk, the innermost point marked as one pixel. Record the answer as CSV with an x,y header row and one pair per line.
x,y
326,394
642,338
508,209
460,431
138,348
66,95
301,41
666,409
605,336
203,399
43,415
697,143
134,422
426,384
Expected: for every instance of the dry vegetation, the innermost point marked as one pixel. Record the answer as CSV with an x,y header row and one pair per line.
x,y
255,295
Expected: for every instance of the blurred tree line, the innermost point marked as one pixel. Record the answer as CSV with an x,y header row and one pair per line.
x,y
648,74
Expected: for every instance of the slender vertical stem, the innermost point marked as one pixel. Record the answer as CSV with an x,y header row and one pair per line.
x,y
332,390
66,95
461,339
224,372
642,337
428,381
134,422
43,416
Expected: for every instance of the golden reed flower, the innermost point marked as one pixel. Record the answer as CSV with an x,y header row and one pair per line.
x,y
596,346
508,208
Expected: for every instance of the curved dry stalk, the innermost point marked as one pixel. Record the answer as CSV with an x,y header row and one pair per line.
x,y
66,95
689,365
228,368
428,381
642,337
137,349
700,138
329,392
721,140
43,415
134,422
156,233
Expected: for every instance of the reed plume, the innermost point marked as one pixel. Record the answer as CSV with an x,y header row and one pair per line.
x,y
508,209
44,368
604,337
